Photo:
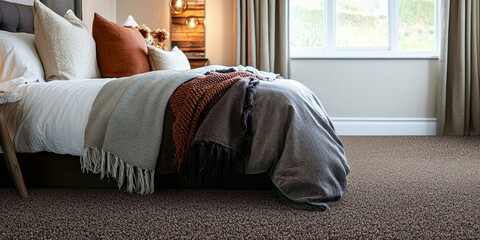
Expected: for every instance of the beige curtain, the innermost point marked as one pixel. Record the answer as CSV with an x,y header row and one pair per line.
x,y
262,39
459,90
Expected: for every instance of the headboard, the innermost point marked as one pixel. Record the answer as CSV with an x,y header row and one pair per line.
x,y
16,17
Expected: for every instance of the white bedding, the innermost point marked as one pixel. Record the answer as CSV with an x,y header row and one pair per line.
x,y
43,120
52,116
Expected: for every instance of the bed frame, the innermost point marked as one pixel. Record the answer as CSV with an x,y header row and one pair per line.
x,y
53,170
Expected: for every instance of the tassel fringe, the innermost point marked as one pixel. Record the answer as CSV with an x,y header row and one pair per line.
x,y
248,106
129,178
209,161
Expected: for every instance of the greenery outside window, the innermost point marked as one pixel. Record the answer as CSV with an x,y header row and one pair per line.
x,y
364,28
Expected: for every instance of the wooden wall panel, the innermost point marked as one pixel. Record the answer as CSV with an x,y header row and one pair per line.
x,y
190,41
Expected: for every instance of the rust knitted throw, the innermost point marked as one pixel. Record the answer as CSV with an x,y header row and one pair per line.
x,y
188,102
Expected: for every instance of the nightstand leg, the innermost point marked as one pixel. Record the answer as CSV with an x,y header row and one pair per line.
x,y
11,158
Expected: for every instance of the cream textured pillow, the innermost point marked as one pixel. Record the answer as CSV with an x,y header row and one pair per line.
x,y
65,45
167,60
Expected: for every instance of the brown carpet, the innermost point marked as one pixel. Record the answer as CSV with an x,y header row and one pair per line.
x,y
399,188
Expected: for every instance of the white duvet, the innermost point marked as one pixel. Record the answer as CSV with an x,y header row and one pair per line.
x,y
51,116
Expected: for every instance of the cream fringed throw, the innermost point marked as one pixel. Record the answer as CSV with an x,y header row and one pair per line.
x,y
124,130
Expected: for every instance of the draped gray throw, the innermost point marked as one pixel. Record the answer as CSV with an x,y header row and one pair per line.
x,y
458,109
262,36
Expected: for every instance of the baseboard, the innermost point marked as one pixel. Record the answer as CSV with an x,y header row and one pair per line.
x,y
385,126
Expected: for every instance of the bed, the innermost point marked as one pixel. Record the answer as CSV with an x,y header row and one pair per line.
x,y
252,131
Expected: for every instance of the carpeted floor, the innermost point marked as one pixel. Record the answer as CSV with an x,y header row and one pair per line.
x,y
399,188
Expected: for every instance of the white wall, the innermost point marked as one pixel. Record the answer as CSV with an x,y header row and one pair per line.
x,y
153,13
106,8
375,89
372,88
220,32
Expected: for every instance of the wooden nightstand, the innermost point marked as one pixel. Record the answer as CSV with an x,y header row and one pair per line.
x,y
7,144
198,62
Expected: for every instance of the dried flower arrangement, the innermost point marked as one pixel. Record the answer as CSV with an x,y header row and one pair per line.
x,y
154,38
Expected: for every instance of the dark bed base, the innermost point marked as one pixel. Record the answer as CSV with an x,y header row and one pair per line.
x,y
49,170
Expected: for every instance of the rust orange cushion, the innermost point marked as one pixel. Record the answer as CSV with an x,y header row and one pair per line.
x,y
121,51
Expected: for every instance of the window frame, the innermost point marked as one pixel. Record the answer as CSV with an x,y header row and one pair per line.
x,y
391,52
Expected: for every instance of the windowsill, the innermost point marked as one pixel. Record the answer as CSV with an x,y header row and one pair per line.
x,y
359,57
363,55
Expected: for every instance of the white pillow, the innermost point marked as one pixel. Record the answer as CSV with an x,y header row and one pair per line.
x,y
18,57
167,60
65,45
130,22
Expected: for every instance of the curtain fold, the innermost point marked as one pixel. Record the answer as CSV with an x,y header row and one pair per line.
x,y
458,108
262,35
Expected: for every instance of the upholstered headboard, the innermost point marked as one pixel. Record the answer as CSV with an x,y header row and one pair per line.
x,y
19,18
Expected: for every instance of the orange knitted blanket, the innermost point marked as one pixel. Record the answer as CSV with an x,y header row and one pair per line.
x,y
188,102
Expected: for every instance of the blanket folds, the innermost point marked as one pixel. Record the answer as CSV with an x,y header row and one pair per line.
x,y
295,141
289,135
188,102
279,127
124,130
222,142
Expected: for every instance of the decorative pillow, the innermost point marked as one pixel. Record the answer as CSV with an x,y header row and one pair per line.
x,y
65,45
18,57
121,51
167,60
130,22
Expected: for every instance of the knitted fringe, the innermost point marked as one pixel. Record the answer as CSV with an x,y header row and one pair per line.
x,y
248,105
209,161
129,178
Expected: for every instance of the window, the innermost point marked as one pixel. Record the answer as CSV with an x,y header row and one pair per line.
x,y
364,28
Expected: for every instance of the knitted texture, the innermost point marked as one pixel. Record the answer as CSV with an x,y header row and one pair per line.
x,y
125,128
188,102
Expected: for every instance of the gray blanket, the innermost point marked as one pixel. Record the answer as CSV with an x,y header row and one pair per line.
x,y
292,138
124,130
